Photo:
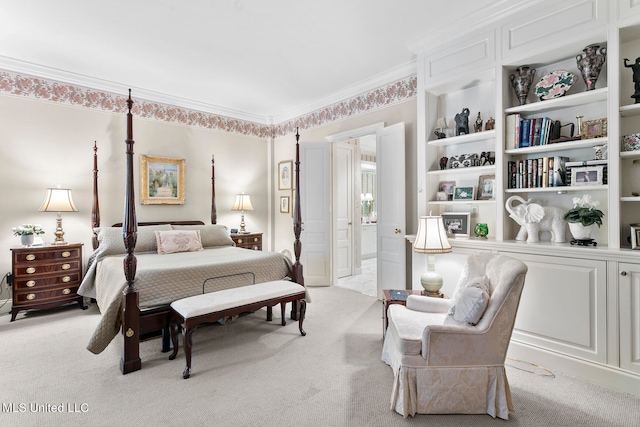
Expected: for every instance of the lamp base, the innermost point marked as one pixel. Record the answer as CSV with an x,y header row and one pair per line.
x,y
432,294
431,282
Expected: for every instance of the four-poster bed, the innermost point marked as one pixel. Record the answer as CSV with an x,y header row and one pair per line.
x,y
138,304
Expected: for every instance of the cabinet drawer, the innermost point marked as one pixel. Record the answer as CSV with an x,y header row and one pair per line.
x,y
34,256
72,266
24,283
36,296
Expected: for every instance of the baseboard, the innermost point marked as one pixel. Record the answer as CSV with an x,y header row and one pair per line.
x,y
603,375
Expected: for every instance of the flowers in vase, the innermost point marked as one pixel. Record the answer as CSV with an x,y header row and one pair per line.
x,y
584,211
27,229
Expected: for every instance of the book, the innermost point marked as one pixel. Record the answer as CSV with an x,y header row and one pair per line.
x,y
511,131
545,172
544,130
525,129
399,295
537,129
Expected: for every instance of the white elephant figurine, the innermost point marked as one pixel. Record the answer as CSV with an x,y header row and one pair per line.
x,y
534,218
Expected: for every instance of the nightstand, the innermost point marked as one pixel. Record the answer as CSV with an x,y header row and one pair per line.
x,y
46,277
248,241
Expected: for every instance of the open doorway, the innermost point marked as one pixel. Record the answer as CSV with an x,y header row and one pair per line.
x,y
362,277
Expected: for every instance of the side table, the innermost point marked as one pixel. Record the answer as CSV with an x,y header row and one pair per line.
x,y
388,300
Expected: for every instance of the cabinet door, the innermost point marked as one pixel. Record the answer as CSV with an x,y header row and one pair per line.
x,y
563,306
629,291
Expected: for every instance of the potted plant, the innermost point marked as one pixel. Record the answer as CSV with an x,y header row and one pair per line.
x,y
583,217
27,232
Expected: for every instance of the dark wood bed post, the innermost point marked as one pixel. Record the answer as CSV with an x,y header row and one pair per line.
x,y
298,276
95,208
130,360
214,213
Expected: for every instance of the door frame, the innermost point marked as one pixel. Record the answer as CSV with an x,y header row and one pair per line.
x,y
343,137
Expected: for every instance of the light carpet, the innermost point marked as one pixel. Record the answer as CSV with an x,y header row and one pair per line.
x,y
254,373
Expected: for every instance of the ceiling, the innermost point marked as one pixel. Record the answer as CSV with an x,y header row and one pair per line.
x,y
265,61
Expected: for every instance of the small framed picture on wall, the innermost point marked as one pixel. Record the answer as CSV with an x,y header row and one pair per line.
x,y
284,204
285,175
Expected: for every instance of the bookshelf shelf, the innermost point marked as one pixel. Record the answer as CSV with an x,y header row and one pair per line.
x,y
463,139
630,110
461,171
558,190
583,143
562,102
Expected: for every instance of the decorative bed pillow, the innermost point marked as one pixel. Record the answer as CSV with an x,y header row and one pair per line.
x,y
173,241
212,235
111,241
470,303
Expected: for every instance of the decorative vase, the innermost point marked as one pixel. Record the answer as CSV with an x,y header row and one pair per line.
x,y
581,232
522,82
27,239
481,230
591,63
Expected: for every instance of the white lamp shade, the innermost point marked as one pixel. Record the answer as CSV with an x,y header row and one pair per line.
x,y
242,203
58,200
431,237
441,123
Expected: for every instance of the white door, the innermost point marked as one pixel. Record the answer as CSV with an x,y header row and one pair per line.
x,y
343,232
390,206
315,204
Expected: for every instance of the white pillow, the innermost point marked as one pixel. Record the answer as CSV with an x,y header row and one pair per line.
x,y
111,239
173,241
470,303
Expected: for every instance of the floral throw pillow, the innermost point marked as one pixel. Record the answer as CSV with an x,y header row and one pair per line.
x,y
170,242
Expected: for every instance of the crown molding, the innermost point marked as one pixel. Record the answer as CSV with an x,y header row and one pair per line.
x,y
49,73
405,70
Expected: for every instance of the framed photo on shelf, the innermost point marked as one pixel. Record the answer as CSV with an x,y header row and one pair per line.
x,y
284,175
284,204
447,187
635,236
587,175
486,185
162,180
463,193
457,224
593,128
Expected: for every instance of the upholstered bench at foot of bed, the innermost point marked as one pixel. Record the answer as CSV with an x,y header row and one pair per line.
x,y
198,310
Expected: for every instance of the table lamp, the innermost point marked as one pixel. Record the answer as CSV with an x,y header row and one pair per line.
x,y
431,239
242,203
58,200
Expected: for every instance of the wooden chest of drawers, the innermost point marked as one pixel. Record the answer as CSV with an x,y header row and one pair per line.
x,y
248,241
46,277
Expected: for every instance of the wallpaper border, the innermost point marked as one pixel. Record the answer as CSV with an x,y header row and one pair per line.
x,y
65,93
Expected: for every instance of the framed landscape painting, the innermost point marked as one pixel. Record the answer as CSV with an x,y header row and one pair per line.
x,y
162,180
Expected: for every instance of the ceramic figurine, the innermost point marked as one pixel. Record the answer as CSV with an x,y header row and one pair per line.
x,y
591,63
636,77
491,123
478,125
462,122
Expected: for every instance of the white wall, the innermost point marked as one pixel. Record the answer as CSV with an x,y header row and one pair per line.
x,y
43,144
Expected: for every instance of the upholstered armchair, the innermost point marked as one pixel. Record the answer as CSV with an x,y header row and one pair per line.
x,y
448,355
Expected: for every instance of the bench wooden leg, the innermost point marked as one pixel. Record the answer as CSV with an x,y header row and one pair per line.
x,y
188,342
282,307
303,310
175,331
269,313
